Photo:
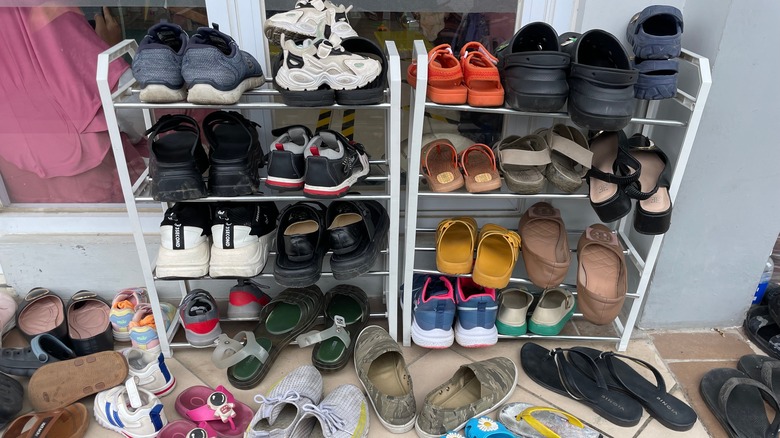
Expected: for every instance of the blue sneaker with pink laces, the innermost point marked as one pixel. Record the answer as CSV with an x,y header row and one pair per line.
x,y
433,312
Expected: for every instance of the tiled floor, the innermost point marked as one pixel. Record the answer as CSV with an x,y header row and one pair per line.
x,y
681,357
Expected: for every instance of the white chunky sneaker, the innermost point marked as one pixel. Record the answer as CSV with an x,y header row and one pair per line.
x,y
130,411
184,241
151,371
243,233
302,22
307,66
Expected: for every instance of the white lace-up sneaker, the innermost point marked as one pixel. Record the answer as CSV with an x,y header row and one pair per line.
x,y
302,22
150,369
131,411
307,66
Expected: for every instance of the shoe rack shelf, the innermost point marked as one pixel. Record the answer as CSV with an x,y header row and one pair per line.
x,y
383,184
641,251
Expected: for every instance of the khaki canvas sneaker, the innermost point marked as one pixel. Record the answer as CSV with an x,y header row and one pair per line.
x,y
382,370
474,390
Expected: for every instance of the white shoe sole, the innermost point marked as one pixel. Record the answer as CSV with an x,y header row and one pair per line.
x,y
184,263
475,337
247,261
301,80
155,93
436,338
206,94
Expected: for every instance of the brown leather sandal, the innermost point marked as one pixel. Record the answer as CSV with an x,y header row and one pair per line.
x,y
479,165
601,275
545,245
68,422
440,166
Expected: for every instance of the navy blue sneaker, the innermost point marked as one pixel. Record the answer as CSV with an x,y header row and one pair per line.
x,y
157,65
477,312
433,312
656,32
216,71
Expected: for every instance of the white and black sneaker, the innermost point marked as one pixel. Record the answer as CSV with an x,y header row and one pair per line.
x,y
184,243
302,22
286,164
313,63
333,165
242,234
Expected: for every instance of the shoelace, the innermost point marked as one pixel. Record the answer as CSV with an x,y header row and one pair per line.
x,y
269,403
327,417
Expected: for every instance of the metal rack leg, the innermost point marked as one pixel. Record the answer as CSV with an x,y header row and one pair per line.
x,y
394,186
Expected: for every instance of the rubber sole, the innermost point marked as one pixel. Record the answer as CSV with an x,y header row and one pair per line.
x,y
550,330
314,98
105,424
320,192
175,186
534,102
511,330
244,262
476,337
207,94
284,184
62,383
183,263
155,93
288,278
436,339
203,340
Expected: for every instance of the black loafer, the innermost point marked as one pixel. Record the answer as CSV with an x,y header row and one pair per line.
x,y
301,243
43,349
11,396
356,229
40,312
89,327
601,80
533,69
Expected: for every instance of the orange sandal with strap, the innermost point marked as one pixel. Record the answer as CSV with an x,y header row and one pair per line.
x,y
497,252
445,77
481,76
439,165
479,165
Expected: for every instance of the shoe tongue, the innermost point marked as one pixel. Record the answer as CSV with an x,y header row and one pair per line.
x,y
215,38
167,34
329,145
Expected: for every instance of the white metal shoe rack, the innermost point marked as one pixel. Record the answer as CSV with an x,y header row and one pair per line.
x,y
126,96
424,208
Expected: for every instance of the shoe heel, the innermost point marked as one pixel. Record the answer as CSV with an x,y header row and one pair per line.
x,y
178,188
614,208
232,183
652,223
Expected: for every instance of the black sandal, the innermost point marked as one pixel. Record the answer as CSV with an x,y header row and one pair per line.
x,y
654,209
612,169
664,407
762,330
177,160
552,370
762,369
736,401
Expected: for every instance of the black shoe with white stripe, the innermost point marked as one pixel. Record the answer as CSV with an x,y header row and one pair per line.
x,y
184,244
242,235
333,165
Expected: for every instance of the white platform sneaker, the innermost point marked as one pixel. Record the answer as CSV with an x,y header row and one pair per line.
x,y
184,241
242,234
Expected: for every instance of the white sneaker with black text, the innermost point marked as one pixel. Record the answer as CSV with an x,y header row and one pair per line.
x,y
184,241
243,233
151,371
302,22
333,165
311,64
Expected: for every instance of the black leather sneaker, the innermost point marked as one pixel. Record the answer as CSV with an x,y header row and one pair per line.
x,y
286,164
177,160
89,327
242,233
333,165
235,153
301,243
356,231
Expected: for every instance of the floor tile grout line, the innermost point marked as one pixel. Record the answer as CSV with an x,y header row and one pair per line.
x,y
671,361
421,356
643,427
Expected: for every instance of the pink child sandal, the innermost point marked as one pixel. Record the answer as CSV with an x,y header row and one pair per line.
x,y
215,407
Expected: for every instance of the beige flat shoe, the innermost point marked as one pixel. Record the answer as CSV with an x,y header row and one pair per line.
x,y
545,245
601,275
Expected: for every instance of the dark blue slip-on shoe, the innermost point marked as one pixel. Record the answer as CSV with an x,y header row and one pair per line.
x,y
656,32
157,65
657,79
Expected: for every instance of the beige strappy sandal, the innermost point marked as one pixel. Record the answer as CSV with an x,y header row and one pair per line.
x,y
479,166
439,165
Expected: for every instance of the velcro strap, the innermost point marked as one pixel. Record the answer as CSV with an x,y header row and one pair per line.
x,y
337,330
569,148
521,159
230,352
324,50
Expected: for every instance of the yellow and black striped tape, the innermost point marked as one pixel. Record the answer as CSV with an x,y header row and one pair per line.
x,y
348,124
323,122
437,117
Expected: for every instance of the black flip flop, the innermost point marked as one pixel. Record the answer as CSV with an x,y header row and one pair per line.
x,y
763,330
763,369
664,407
552,370
736,401
346,314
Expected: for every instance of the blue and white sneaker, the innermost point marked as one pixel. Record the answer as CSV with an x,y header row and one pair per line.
x,y
130,411
433,312
477,312
216,71
150,370
157,65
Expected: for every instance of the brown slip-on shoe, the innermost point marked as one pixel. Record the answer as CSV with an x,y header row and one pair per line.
x,y
601,275
69,422
59,384
545,245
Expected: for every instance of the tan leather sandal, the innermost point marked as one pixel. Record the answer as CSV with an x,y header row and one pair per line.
x,y
601,275
496,256
570,157
455,241
545,245
68,422
439,165
479,166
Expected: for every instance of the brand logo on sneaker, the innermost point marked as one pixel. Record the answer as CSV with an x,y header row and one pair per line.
x,y
222,214
348,163
227,236
178,239
257,215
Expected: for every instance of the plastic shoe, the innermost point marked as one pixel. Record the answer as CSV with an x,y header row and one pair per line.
x,y
546,251
657,79
7,315
570,157
654,207
480,76
341,414
89,326
302,22
656,32
486,427
176,160
242,234
143,330
282,408
43,349
216,71
246,300
40,312
455,242
217,408
601,81
186,429
286,164
235,153
157,64
525,419
150,371
497,251
123,309
477,311
333,165
513,305
69,422
433,311
445,77
184,241
200,317
533,69
554,310
479,169
130,411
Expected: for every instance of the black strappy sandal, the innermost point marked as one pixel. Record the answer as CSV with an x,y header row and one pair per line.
x,y
612,169
654,210
235,153
177,160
